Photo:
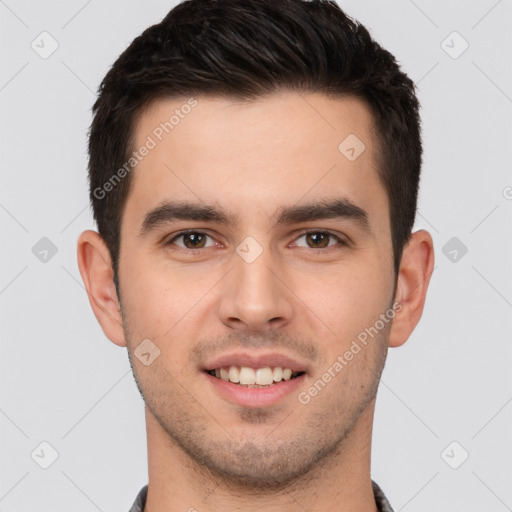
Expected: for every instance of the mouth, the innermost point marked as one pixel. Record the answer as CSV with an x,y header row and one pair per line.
x,y
248,377
255,379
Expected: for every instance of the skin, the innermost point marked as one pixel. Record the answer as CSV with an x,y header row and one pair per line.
x,y
250,159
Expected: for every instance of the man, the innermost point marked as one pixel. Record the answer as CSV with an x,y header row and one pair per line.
x,y
254,170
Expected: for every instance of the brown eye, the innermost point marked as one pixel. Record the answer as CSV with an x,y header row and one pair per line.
x,y
190,240
318,240
193,240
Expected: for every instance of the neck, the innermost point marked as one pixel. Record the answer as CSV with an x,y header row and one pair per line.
x,y
339,481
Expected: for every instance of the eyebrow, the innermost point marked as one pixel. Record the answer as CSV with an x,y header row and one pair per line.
x,y
333,209
169,211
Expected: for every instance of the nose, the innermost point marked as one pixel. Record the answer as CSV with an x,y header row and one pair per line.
x,y
254,296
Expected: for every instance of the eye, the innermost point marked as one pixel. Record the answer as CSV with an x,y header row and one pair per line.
x,y
191,240
319,240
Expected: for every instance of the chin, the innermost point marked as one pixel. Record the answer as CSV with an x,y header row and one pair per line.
x,y
264,466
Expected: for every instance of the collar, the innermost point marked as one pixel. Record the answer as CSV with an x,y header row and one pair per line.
x,y
380,499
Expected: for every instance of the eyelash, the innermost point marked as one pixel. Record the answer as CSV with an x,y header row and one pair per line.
x,y
300,235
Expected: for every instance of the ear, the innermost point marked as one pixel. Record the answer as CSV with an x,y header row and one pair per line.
x,y
95,268
416,267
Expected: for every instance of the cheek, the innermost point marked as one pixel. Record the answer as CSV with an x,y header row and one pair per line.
x,y
152,301
348,299
165,302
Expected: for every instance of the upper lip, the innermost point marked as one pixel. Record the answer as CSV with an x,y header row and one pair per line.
x,y
272,359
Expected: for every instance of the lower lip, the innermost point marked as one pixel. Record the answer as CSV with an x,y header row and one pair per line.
x,y
254,397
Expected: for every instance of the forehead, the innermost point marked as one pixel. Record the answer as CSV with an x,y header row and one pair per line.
x,y
249,157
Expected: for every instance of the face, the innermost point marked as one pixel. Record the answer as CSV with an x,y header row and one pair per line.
x,y
286,261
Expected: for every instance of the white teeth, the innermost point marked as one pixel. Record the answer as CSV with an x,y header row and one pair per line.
x,y
264,376
234,374
247,375
253,376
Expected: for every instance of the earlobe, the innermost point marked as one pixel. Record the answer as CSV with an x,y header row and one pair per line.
x,y
414,275
95,268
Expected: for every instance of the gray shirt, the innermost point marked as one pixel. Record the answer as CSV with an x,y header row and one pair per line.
x,y
381,501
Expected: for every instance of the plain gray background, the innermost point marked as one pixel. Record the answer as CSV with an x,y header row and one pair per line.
x,y
446,394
